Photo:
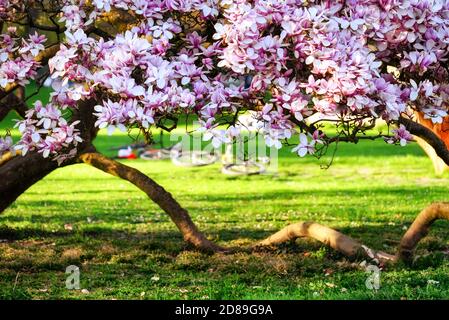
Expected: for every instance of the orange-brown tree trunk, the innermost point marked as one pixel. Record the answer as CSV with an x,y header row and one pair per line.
x,y
441,130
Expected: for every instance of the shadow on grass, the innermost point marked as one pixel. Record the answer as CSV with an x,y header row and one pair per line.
x,y
99,191
43,211
378,237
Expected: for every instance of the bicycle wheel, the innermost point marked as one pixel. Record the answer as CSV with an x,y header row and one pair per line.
x,y
193,158
246,168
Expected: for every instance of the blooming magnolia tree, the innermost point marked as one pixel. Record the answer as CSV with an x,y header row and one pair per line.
x,y
302,67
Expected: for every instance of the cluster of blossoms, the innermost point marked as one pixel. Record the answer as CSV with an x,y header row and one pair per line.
x,y
45,129
17,59
288,60
401,136
431,99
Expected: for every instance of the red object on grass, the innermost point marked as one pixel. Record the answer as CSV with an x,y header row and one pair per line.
x,y
126,154
131,156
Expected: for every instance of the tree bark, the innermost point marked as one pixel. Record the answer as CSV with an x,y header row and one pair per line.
x,y
158,194
19,173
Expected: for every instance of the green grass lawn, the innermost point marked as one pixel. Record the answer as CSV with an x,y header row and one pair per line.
x,y
127,248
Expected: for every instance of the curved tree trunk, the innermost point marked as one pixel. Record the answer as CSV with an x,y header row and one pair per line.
x,y
441,130
439,165
155,192
429,136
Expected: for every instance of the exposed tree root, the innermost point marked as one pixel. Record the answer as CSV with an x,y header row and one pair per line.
x,y
354,249
158,194
330,237
420,228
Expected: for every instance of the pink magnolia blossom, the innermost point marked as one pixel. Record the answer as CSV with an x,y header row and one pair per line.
x,y
401,136
305,146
